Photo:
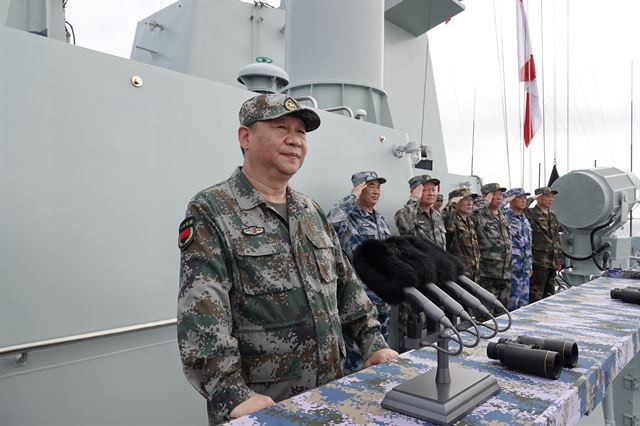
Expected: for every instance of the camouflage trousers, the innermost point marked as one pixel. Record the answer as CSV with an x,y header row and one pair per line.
x,y
543,283
354,361
519,295
499,288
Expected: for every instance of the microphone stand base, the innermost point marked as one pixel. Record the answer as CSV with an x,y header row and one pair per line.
x,y
441,403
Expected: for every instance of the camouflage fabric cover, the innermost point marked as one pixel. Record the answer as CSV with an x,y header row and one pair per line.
x,y
520,259
494,238
462,241
366,176
491,187
263,304
606,330
275,105
546,251
412,220
545,190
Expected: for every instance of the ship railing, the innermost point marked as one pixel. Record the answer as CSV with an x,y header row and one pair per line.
x,y
21,351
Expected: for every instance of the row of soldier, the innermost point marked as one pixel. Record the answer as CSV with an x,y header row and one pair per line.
x,y
508,247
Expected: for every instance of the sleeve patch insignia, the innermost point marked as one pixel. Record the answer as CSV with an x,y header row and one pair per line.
x,y
186,232
252,231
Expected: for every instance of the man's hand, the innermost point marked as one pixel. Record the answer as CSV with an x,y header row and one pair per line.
x,y
417,191
357,190
455,200
509,198
535,197
255,403
558,266
383,355
488,197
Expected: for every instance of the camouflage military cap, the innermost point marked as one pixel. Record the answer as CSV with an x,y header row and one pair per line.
x,y
421,180
516,192
545,190
439,197
492,187
464,193
368,176
275,105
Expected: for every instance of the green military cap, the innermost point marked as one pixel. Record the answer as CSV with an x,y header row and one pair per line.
x,y
276,105
492,187
545,190
421,180
464,193
367,176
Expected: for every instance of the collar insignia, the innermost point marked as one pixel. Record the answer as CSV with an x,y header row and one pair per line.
x,y
252,231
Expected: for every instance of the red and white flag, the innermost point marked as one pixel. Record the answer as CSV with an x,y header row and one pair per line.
x,y
532,114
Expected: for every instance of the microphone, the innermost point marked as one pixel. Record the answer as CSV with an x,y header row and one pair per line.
x,y
486,296
392,278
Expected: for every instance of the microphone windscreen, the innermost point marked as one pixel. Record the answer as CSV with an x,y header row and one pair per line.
x,y
446,265
405,250
384,273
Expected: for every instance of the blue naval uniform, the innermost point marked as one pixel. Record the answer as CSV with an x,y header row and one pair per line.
x,y
521,265
354,225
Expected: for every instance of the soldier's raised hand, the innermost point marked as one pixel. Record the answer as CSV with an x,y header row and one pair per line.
x,y
509,198
417,191
488,197
455,200
357,190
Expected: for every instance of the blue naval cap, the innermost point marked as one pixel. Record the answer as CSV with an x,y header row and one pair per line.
x,y
516,192
367,176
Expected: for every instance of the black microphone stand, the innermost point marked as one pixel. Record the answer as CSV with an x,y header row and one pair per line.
x,y
444,394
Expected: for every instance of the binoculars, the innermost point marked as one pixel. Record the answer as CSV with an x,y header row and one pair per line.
x,y
629,294
534,355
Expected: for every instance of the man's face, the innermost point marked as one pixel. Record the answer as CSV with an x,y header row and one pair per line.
x,y
496,200
428,194
546,200
438,204
370,194
465,206
276,146
519,203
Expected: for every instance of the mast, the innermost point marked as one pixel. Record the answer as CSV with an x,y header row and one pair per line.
x,y
631,151
568,87
473,130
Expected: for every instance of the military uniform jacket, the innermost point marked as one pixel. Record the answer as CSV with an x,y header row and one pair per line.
x,y
462,240
547,251
412,220
494,238
354,225
520,241
263,303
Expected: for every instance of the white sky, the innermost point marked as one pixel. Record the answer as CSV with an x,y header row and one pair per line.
x,y
603,40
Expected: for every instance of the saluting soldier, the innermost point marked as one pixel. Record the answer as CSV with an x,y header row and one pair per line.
x,y
418,217
439,201
521,268
461,234
355,219
547,251
494,237
265,291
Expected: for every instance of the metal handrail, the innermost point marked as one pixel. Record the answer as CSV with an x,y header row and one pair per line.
x,y
341,108
311,99
50,343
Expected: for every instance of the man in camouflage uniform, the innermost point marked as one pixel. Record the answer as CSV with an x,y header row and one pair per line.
x,y
265,292
461,234
439,201
547,252
520,248
355,220
494,237
418,217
